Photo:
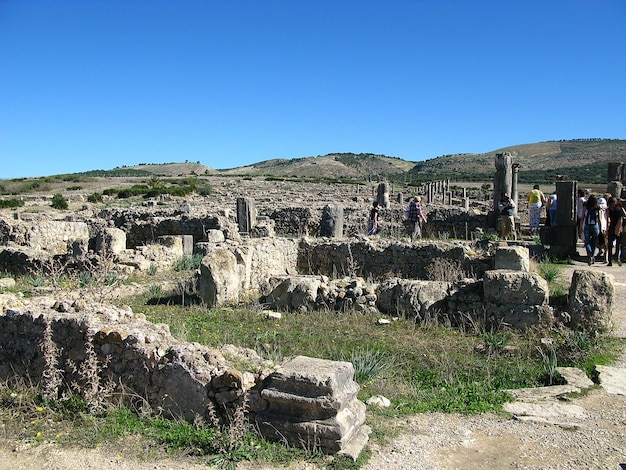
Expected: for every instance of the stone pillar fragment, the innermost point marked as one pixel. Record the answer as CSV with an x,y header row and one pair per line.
x,y
314,402
615,172
382,195
332,221
246,214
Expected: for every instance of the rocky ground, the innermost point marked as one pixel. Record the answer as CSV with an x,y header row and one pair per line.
x,y
583,432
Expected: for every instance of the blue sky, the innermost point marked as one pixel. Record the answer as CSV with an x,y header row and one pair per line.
x,y
98,84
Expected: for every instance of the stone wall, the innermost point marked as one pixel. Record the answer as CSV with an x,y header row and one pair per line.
x,y
113,352
244,269
383,258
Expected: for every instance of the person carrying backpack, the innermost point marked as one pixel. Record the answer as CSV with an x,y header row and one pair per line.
x,y
591,227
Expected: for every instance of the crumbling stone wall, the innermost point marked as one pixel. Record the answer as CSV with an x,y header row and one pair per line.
x,y
142,361
382,258
145,224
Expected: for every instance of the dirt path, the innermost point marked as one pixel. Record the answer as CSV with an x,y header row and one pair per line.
x,y
595,440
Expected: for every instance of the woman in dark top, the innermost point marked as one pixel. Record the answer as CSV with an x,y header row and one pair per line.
x,y
372,227
616,214
591,226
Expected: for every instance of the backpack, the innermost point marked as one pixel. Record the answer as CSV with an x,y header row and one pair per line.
x,y
592,217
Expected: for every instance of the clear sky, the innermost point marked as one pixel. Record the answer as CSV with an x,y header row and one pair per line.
x,y
92,84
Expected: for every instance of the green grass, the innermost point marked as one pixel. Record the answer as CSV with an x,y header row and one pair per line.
x,y
418,368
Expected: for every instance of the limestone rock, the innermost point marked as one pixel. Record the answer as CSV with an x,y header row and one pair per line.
x,y
515,258
410,298
612,379
294,293
219,278
313,402
111,240
517,299
591,300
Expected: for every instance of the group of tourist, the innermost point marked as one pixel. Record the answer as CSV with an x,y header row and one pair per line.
x,y
602,227
415,218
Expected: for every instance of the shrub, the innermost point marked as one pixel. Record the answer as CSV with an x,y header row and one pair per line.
x,y
95,197
8,203
59,201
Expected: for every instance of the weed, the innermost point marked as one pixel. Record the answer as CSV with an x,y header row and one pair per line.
x,y
443,269
188,262
549,361
549,271
52,376
369,364
89,384
155,291
352,266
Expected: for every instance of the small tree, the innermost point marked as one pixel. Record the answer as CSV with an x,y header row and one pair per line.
x,y
59,201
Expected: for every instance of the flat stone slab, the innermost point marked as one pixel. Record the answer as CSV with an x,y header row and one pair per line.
x,y
576,377
551,411
540,394
612,380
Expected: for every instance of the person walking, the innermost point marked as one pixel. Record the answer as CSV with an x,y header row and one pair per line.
x,y
551,204
415,218
616,214
591,227
536,200
580,205
372,226
506,206
603,238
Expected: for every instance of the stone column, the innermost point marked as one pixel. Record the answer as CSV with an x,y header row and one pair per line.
x,y
502,182
400,198
332,221
615,172
382,195
246,214
514,195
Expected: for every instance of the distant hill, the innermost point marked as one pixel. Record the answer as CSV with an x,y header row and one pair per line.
x,y
583,160
334,165
174,169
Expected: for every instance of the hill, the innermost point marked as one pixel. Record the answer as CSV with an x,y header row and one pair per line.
x,y
175,169
584,160
335,165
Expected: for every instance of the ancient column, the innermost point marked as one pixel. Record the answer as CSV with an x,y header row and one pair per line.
x,y
400,198
332,221
246,214
515,168
382,195
615,172
502,181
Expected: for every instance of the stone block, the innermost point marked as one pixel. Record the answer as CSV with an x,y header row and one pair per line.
x,y
219,278
214,236
332,221
512,257
591,296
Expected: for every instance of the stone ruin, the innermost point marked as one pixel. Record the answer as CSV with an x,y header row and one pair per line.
x,y
311,402
305,401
